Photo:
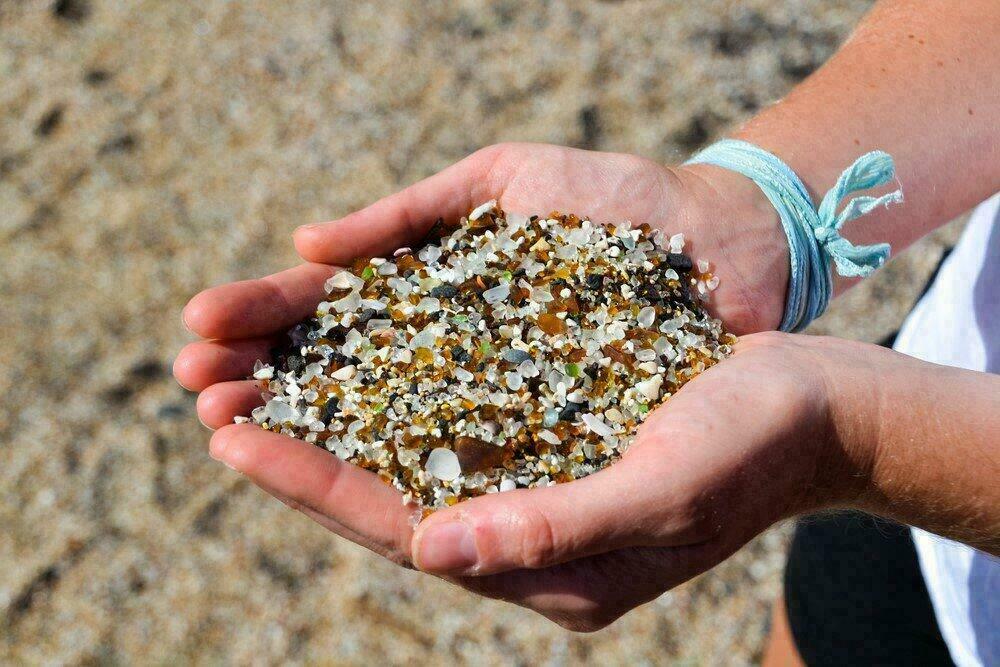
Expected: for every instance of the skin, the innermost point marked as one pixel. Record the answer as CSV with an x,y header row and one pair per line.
x,y
835,425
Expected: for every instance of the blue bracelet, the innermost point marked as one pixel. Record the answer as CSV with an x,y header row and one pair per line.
x,y
813,234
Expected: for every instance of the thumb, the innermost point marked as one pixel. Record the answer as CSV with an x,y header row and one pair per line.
x,y
618,507
405,217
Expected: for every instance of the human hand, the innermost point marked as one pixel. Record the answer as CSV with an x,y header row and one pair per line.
x,y
749,442
724,220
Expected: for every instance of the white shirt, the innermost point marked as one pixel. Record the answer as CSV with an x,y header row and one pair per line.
x,y
958,323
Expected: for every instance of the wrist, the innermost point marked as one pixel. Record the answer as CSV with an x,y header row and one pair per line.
x,y
738,223
848,451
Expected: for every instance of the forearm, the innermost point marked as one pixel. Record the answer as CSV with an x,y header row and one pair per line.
x,y
919,80
924,442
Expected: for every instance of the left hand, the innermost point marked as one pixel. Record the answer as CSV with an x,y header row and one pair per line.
x,y
745,444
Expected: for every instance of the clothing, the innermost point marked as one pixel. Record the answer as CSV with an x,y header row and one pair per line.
x,y
854,594
957,323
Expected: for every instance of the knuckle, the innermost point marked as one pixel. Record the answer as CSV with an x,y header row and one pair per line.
x,y
538,540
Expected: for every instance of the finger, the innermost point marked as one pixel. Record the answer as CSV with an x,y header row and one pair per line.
x,y
623,505
333,526
403,219
258,307
221,402
590,593
205,363
317,480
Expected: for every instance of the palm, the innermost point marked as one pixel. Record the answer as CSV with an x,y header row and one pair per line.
x,y
241,320
699,482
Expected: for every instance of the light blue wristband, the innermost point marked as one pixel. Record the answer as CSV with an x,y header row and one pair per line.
x,y
813,234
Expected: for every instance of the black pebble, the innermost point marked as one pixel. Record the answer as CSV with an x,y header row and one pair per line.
x,y
446,291
330,409
650,293
435,233
295,363
569,412
595,281
460,354
299,335
679,262
684,293
365,315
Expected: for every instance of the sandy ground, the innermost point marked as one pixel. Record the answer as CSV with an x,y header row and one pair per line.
x,y
150,149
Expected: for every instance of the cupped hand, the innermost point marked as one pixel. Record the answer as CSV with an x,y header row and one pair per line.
x,y
745,444
725,220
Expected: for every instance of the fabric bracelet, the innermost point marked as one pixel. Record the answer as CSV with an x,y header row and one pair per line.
x,y
813,233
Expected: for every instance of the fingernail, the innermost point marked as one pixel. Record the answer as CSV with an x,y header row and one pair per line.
x,y
448,547
309,227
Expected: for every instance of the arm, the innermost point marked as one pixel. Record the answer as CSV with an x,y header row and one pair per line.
x,y
917,79
928,439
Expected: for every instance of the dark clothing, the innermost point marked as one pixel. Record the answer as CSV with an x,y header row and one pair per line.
x,y
855,594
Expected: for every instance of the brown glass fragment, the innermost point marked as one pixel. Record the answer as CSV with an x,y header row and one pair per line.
x,y
551,324
475,455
